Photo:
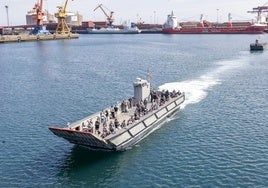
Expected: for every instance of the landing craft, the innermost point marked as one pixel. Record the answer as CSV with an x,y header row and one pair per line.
x,y
124,124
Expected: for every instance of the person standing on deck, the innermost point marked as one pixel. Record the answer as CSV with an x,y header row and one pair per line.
x,y
107,115
116,123
97,125
145,102
115,110
112,112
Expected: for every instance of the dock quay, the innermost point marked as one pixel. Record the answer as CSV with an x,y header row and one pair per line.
x,y
28,38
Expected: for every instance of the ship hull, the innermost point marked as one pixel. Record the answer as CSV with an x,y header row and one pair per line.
x,y
215,30
143,134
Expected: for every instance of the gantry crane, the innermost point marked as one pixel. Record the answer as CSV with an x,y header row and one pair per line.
x,y
110,18
259,10
62,27
38,16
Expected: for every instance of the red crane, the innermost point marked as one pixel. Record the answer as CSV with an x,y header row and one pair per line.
x,y
38,16
38,7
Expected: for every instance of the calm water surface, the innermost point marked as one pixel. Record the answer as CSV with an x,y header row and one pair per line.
x,y
218,139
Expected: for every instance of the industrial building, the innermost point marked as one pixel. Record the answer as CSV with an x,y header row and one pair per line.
x,y
73,19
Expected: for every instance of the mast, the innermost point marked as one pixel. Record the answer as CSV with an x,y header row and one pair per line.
x,y
201,23
230,25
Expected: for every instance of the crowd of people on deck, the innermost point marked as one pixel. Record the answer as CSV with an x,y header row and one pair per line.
x,y
109,118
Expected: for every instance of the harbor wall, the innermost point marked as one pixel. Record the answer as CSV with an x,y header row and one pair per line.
x,y
27,38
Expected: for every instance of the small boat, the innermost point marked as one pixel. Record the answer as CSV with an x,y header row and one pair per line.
x,y
124,124
257,46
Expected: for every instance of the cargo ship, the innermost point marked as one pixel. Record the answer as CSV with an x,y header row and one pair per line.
x,y
124,124
204,27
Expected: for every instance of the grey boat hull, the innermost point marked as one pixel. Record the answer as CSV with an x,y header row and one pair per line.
x,y
145,132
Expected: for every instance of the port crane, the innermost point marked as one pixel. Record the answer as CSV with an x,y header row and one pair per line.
x,y
62,27
110,18
259,10
38,16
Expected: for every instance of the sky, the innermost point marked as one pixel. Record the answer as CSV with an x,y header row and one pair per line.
x,y
148,11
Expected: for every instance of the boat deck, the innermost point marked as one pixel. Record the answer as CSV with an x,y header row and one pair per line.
x,y
111,136
107,125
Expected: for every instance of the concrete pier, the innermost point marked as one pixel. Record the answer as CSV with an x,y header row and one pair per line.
x,y
27,38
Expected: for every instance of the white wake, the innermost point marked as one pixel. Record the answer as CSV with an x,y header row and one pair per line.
x,y
197,89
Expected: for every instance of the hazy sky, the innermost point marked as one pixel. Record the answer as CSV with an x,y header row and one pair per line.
x,y
149,11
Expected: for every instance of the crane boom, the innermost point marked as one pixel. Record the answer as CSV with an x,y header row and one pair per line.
x,y
65,5
41,4
109,17
100,6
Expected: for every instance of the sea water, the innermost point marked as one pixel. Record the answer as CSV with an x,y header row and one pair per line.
x,y
218,139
